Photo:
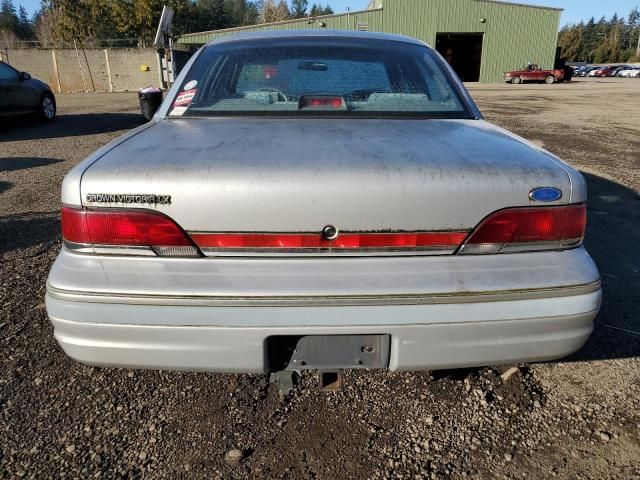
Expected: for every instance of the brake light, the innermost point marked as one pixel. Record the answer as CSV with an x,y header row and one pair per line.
x,y
327,102
99,230
528,229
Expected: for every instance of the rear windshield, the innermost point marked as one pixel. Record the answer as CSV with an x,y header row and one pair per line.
x,y
320,77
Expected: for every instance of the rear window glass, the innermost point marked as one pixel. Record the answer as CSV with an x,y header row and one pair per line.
x,y
337,77
318,76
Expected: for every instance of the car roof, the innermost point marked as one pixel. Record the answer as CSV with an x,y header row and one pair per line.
x,y
316,33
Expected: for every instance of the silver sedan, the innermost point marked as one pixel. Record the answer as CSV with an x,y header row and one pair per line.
x,y
321,199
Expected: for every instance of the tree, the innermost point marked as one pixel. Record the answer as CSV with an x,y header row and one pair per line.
x,y
318,9
8,38
570,41
8,16
243,13
274,13
611,41
101,21
25,27
282,10
139,18
633,30
299,8
44,25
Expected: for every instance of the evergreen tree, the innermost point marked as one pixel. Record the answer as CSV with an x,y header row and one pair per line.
x,y
25,27
8,16
570,41
633,30
87,21
318,9
299,8
612,41
242,13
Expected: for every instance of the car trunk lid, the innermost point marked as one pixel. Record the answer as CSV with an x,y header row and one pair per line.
x,y
297,176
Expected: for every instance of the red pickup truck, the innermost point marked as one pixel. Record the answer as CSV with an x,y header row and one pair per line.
x,y
533,73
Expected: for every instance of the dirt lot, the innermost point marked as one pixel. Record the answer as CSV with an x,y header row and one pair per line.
x,y
579,418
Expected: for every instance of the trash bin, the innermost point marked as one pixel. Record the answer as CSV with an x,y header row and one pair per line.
x,y
150,100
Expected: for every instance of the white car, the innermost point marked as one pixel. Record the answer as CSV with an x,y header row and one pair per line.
x,y
630,73
321,199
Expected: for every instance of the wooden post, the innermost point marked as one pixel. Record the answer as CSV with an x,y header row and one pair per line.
x,y
55,70
93,85
84,83
106,60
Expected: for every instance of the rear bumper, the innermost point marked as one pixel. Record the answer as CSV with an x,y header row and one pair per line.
x,y
431,336
217,314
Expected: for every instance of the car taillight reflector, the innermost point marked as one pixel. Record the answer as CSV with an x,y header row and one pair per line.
x,y
313,241
125,228
528,229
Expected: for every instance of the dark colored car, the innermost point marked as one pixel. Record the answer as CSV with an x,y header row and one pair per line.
x,y
585,71
21,94
579,70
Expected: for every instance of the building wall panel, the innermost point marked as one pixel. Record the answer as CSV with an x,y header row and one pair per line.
x,y
513,34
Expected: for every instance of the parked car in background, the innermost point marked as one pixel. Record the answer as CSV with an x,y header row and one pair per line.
x,y
534,73
586,71
20,94
618,69
606,71
577,70
630,72
321,199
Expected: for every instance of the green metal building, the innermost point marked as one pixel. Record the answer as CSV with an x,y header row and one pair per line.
x,y
481,39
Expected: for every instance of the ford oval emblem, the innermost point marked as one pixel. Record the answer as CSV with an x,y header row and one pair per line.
x,y
545,194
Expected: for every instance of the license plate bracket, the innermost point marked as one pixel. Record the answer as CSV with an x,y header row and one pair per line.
x,y
303,352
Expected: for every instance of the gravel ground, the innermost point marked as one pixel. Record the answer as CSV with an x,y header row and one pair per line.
x,y
576,419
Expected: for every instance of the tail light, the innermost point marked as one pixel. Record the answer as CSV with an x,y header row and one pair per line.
x,y
124,232
442,242
528,229
139,232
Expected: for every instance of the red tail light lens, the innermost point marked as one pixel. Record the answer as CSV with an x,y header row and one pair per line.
x,y
326,102
344,242
125,228
528,229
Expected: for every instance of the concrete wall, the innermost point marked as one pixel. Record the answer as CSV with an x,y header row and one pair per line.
x,y
118,69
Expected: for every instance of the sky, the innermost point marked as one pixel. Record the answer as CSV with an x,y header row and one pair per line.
x,y
574,10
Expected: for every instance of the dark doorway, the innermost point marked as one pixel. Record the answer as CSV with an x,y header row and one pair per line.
x,y
463,51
